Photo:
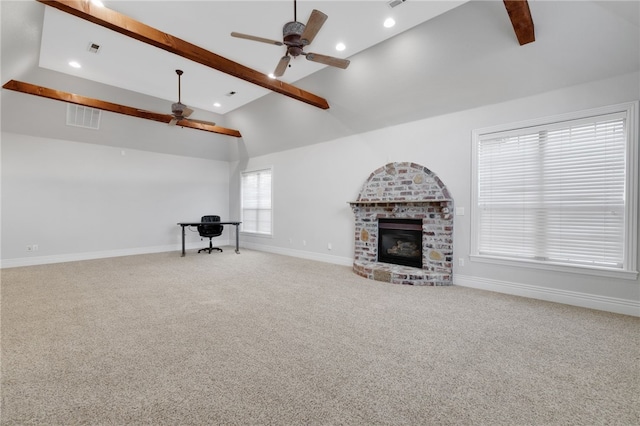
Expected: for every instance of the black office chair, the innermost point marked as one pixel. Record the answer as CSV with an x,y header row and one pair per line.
x,y
210,231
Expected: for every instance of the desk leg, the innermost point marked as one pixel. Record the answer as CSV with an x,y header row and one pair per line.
x,y
183,253
237,240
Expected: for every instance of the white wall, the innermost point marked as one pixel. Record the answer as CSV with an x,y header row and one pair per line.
x,y
313,184
78,200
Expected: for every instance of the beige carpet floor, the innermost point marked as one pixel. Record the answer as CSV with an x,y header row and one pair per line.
x,y
258,338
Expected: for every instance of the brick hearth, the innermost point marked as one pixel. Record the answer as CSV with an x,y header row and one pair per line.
x,y
407,191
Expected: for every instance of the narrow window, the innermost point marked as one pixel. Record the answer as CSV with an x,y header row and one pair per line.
x,y
256,202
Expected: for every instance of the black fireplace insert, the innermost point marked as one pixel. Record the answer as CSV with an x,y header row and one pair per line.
x,y
400,241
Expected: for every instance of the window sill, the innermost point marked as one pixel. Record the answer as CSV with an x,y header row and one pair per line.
x,y
558,267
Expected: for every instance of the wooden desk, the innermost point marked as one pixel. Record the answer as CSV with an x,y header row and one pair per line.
x,y
184,224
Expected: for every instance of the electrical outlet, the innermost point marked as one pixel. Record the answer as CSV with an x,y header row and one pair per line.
x,y
461,261
35,247
304,242
329,246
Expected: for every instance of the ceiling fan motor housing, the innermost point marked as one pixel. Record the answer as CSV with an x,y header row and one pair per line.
x,y
291,33
178,108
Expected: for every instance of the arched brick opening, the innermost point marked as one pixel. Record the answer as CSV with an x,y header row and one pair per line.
x,y
405,191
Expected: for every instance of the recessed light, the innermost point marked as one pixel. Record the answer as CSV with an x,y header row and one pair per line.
x,y
75,64
271,75
340,47
389,22
217,104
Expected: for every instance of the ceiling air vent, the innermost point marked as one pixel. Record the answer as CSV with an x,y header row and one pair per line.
x,y
81,116
93,48
394,3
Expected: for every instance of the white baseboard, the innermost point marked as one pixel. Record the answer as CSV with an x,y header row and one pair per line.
x,y
584,300
72,257
327,258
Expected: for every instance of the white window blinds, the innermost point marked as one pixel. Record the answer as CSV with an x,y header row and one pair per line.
x,y
256,201
554,193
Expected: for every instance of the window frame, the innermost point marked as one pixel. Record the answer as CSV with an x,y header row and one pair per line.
x,y
629,267
254,233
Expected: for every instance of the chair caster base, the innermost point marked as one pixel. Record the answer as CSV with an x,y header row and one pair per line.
x,y
207,249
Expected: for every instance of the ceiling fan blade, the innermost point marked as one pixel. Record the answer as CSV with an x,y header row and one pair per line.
x,y
316,20
173,121
210,123
282,66
328,60
255,38
186,112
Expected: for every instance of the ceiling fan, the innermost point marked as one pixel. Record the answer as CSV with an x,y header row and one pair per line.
x,y
296,36
180,111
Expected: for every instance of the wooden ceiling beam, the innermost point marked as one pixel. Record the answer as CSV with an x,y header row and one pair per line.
x,y
59,95
521,19
129,27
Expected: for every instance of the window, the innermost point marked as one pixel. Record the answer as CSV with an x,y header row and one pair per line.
x,y
256,201
559,192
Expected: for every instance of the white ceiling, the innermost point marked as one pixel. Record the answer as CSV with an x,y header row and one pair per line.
x,y
463,59
129,64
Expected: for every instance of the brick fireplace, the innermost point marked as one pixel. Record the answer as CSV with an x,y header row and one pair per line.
x,y
412,195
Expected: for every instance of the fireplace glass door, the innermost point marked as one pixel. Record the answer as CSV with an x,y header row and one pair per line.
x,y
400,241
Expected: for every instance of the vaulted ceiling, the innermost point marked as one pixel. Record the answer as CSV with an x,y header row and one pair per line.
x,y
195,36
441,57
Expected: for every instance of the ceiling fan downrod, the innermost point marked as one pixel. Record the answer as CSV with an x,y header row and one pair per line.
x,y
179,72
